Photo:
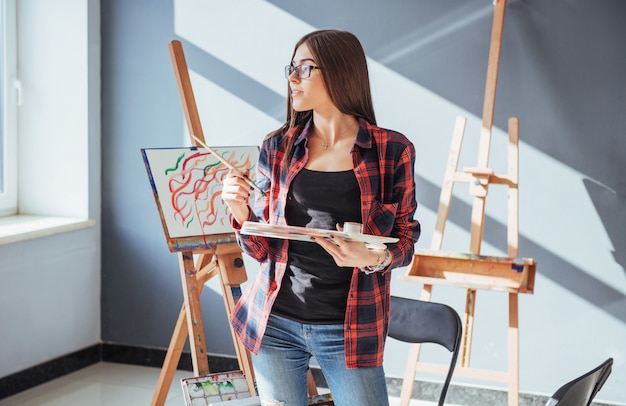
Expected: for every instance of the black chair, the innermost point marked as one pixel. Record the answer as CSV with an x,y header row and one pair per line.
x,y
415,321
582,390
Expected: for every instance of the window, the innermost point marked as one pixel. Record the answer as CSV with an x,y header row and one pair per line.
x,y
37,120
8,109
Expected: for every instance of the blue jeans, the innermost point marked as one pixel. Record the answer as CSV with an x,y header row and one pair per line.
x,y
282,364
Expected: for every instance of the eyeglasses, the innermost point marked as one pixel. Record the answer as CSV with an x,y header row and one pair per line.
x,y
302,71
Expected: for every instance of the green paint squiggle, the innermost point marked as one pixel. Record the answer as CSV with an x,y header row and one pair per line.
x,y
180,158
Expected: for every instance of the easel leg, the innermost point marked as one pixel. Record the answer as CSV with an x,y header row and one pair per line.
x,y
172,357
409,375
232,274
414,354
513,350
204,272
191,293
243,355
468,327
445,198
311,385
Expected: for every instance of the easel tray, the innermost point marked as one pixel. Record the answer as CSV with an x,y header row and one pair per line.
x,y
472,271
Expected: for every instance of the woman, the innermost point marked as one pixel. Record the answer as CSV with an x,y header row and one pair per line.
x,y
327,165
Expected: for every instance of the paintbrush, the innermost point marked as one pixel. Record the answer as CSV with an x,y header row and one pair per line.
x,y
225,162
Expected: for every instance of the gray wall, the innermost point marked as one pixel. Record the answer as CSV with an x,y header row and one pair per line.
x,y
561,74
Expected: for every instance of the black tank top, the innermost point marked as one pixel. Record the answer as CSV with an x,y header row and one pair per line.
x,y
314,289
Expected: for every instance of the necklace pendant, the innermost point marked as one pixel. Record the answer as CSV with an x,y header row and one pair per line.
x,y
326,145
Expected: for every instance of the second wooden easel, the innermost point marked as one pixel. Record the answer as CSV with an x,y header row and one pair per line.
x,y
473,271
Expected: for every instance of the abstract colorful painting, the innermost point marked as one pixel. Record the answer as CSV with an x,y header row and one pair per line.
x,y
187,185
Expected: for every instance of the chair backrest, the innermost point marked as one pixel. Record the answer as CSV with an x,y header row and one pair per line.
x,y
416,321
582,390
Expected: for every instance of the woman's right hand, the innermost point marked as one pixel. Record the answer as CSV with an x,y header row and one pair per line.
x,y
235,193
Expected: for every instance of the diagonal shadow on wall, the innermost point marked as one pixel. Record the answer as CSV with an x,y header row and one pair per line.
x,y
612,210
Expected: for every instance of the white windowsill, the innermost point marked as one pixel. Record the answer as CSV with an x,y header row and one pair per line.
x,y
25,227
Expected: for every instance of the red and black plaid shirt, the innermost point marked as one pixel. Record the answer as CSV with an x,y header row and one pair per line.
x,y
384,166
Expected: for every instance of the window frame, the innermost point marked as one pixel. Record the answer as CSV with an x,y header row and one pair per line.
x,y
9,105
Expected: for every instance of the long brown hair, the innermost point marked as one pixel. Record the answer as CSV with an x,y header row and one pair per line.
x,y
345,74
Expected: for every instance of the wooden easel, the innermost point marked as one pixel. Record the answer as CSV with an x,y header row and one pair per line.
x,y
218,255
472,271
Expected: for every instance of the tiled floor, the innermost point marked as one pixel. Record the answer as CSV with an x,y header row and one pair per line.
x,y
101,384
108,384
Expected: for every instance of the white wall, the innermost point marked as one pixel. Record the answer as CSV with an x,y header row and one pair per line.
x,y
50,280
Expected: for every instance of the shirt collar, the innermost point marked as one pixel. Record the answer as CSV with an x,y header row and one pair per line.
x,y
364,136
305,132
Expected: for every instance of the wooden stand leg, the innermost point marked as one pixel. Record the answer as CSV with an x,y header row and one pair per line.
x,y
311,385
233,274
414,355
445,197
513,350
204,271
195,327
172,357
468,327
409,375
177,343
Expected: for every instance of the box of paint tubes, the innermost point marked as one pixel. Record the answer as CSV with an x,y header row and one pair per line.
x,y
222,388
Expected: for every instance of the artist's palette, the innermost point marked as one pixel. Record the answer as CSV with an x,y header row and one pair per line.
x,y
214,389
307,234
